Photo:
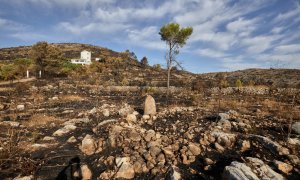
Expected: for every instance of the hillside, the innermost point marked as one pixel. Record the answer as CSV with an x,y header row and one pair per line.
x,y
70,50
134,72
274,77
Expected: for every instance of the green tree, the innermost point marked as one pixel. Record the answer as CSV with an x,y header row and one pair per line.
x,y
22,65
8,72
157,67
54,61
38,54
238,83
175,37
144,61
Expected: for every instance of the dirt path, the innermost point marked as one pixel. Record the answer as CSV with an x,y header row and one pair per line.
x,y
17,81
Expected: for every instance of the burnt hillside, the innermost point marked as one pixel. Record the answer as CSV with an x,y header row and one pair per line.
x,y
269,77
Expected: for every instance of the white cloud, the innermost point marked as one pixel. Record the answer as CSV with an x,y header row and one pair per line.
x,y
147,37
27,36
6,24
70,4
277,30
290,14
211,53
286,49
242,26
259,44
92,27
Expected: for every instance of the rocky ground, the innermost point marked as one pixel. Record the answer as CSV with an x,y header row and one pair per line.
x,y
60,130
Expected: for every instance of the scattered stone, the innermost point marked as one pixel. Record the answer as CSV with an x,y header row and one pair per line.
x,y
24,178
224,139
168,151
124,111
294,159
11,123
149,106
77,121
138,166
55,98
149,135
135,113
154,151
40,146
113,134
225,124
294,141
21,107
105,112
219,148
86,172
48,138
262,169
194,148
88,145
72,139
126,170
106,122
131,118
134,136
296,127
65,130
283,167
172,173
208,161
245,145
224,116
146,117
93,111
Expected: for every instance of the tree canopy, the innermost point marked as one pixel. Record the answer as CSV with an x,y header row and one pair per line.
x,y
175,37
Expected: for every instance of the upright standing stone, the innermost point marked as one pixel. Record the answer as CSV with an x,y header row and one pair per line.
x,y
149,106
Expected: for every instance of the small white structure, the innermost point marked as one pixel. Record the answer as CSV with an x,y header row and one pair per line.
x,y
85,58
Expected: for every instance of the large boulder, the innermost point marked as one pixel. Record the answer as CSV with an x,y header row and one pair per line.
x,y
238,170
149,106
296,127
274,147
253,169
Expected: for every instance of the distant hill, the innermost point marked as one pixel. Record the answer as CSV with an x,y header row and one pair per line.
x,y
275,77
71,50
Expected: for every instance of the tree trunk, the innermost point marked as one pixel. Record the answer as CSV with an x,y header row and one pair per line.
x,y
168,81
169,64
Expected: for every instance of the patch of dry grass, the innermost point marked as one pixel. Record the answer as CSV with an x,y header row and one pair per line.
x,y
40,119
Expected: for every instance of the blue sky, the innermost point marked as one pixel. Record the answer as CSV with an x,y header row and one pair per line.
x,y
228,34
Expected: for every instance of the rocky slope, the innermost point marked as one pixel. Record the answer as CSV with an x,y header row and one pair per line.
x,y
60,129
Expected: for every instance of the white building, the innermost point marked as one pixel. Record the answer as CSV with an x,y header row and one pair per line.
x,y
85,58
